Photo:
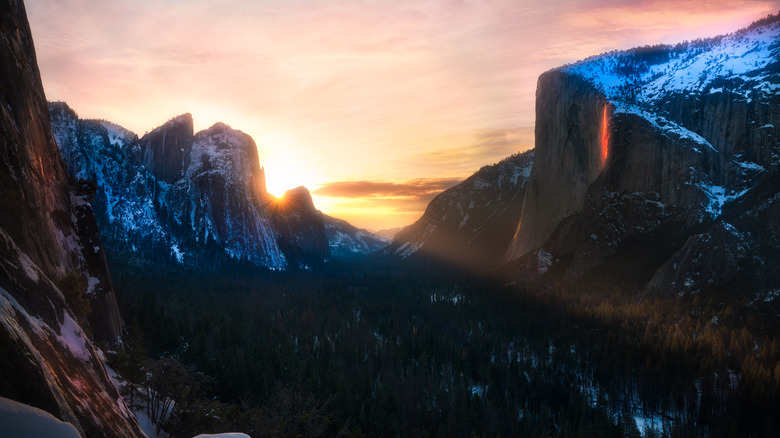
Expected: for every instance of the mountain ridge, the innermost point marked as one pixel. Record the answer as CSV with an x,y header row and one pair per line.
x,y
470,224
190,197
659,143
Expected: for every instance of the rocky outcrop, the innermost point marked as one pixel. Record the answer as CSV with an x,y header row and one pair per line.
x,y
224,188
46,236
471,224
301,226
643,159
165,152
569,126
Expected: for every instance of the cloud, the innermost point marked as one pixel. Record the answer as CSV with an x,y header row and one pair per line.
x,y
484,146
368,94
417,188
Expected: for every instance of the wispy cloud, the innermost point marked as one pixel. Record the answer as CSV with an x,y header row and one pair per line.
x,y
486,147
340,90
382,189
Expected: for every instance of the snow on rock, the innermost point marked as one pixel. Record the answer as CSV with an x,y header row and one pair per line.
x,y
21,420
29,267
223,435
687,67
346,240
73,338
718,197
92,283
544,261
663,125
408,249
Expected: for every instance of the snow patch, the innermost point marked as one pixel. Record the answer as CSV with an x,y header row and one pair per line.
x,y
72,337
21,420
408,248
92,283
544,261
748,165
28,266
718,197
177,253
663,124
223,435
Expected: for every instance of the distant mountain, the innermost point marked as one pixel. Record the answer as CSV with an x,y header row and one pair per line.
x,y
55,291
388,233
348,241
176,196
658,167
472,223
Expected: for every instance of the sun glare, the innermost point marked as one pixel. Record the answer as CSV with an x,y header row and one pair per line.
x,y
282,175
278,181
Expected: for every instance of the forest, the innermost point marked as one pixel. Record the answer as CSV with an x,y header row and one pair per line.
x,y
368,349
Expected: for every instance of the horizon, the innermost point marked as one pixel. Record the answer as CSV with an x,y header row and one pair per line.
x,y
374,108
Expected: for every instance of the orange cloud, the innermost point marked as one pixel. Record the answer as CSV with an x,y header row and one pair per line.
x,y
379,189
337,90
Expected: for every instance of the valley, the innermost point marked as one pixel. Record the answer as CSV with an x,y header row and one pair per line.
x,y
620,279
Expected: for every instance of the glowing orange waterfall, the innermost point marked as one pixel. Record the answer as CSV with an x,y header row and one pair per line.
x,y
604,137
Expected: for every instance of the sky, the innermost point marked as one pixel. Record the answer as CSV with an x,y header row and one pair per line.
x,y
375,106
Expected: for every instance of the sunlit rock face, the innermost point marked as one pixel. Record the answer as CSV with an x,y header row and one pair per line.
x,y
47,232
471,224
690,136
568,156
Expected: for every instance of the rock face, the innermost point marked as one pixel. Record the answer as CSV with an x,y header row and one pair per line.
x,y
651,162
472,223
301,226
175,196
47,234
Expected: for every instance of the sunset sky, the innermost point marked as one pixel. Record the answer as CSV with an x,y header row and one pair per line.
x,y
374,105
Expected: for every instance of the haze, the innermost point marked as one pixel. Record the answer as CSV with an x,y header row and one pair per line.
x,y
375,106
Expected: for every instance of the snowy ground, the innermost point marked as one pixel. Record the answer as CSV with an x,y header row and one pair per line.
x,y
143,420
20,420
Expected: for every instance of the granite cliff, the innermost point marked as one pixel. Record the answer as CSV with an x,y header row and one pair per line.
x,y
176,196
470,225
652,164
51,261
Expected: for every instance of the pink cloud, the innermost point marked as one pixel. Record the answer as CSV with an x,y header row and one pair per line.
x,y
382,90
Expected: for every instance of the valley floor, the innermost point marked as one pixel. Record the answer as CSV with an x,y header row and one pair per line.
x,y
358,350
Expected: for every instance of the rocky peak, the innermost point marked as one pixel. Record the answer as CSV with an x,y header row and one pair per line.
x,y
299,199
302,228
166,150
229,152
472,223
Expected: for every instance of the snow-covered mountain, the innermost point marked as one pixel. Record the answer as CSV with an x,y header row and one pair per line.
x,y
472,223
348,241
173,194
193,198
653,165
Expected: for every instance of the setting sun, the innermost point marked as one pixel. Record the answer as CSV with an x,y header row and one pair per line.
x,y
438,90
283,173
